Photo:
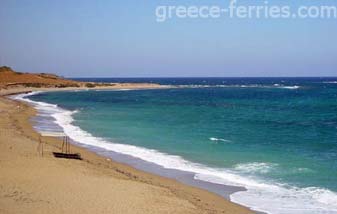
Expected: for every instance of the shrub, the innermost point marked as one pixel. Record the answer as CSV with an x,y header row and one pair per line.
x,y
90,85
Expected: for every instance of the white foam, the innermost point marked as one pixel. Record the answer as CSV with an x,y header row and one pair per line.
x,y
291,87
119,89
242,86
219,139
255,167
260,195
288,200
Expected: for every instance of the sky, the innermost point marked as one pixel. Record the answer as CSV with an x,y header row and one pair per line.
x,y
123,39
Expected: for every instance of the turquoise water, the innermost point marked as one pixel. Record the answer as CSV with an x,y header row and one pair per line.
x,y
276,131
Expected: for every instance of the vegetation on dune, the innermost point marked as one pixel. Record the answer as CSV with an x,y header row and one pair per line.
x,y
11,78
90,85
6,69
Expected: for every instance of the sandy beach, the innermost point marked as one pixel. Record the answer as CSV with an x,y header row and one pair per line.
x,y
30,183
127,107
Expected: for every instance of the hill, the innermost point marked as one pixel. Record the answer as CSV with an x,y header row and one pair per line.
x,y
10,78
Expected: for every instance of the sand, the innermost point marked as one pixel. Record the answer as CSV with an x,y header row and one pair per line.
x,y
30,183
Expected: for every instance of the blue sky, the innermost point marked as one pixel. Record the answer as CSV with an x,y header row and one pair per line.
x,y
122,39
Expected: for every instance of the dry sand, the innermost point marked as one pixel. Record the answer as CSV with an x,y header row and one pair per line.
x,y
30,183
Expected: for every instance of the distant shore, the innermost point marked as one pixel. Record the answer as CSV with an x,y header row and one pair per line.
x,y
124,86
13,82
36,184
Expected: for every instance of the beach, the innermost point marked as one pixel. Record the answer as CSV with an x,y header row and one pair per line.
x,y
144,107
31,183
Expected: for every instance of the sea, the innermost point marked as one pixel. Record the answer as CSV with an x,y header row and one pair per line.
x,y
266,143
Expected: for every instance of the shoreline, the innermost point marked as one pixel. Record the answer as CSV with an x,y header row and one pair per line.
x,y
123,86
204,201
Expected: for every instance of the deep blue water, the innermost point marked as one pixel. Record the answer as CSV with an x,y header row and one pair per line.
x,y
278,131
218,80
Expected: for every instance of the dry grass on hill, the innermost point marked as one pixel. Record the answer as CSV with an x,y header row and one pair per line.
x,y
10,78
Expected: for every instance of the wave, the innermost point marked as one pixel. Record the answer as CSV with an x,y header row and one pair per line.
x,y
290,87
219,139
261,195
242,86
331,82
255,167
